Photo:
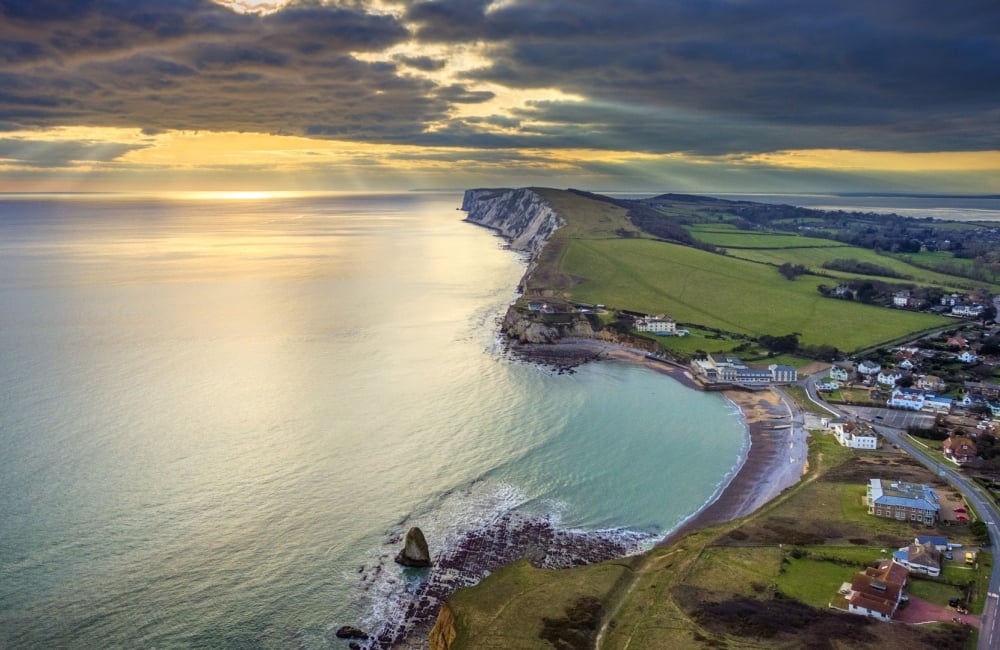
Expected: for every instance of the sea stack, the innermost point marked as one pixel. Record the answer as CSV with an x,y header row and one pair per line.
x,y
415,552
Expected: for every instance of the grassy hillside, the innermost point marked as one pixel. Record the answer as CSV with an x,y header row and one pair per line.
x,y
694,286
762,582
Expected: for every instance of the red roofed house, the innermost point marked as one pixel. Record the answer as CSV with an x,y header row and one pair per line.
x,y
959,449
876,592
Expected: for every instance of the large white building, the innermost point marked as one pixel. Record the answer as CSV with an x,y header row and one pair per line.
x,y
660,325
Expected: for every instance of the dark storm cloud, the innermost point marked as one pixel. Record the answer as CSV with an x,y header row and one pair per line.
x,y
461,95
904,74
192,64
699,76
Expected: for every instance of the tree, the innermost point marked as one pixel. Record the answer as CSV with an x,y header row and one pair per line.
x,y
980,531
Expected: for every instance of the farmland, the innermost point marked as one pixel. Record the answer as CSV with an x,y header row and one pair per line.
x,y
695,286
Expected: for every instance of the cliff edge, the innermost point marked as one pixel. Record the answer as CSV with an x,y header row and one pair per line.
x,y
522,216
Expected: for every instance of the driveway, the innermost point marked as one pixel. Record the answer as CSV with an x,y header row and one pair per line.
x,y
921,611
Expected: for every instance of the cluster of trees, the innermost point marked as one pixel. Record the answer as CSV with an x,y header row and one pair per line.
x,y
862,268
786,344
792,271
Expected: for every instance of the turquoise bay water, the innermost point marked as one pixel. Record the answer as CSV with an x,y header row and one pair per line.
x,y
213,412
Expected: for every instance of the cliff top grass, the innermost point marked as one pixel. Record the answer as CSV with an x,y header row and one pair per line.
x,y
763,581
601,257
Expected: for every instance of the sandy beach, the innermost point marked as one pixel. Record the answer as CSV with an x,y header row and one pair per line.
x,y
774,461
777,455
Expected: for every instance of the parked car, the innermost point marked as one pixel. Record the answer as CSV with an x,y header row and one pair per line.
x,y
960,509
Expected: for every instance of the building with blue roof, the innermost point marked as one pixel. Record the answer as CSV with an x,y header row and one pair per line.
x,y
902,501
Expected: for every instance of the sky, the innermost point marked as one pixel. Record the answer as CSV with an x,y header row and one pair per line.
x,y
607,95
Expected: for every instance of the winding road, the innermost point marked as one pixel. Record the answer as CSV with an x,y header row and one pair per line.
x,y
989,634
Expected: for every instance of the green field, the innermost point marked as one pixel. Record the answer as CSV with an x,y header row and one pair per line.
x,y
730,237
694,286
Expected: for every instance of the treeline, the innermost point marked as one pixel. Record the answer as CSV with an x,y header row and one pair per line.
x,y
862,268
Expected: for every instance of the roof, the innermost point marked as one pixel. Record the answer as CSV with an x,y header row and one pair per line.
x,y
879,589
905,495
939,541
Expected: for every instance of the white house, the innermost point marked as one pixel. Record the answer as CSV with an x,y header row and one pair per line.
x,y
901,299
968,311
854,434
869,368
967,357
877,591
659,325
930,382
906,398
839,373
889,377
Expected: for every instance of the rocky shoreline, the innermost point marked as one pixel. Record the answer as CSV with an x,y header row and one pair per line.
x,y
479,552
775,460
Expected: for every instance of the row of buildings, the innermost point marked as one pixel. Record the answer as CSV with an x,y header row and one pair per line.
x,y
721,368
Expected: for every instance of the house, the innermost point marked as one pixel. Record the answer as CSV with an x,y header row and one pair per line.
x,y
915,502
957,341
869,368
967,357
959,449
877,591
983,389
920,558
840,373
903,299
906,398
659,325
937,403
949,301
890,377
854,434
826,386
930,382
970,310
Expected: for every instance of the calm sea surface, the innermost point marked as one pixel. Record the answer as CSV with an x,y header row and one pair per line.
x,y
213,412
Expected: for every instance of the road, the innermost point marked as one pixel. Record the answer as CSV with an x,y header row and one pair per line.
x,y
889,424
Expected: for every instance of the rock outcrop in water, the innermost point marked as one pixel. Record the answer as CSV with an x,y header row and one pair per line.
x,y
415,552
522,216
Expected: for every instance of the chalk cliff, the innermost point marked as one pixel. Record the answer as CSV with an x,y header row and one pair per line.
x,y
522,216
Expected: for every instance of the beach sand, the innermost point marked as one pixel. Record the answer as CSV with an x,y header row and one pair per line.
x,y
777,455
775,460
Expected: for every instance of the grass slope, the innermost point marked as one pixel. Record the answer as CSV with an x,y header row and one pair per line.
x,y
694,286
762,582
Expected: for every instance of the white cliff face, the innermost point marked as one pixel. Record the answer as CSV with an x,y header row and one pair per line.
x,y
521,215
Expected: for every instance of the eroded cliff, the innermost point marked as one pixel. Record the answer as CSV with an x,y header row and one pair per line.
x,y
522,216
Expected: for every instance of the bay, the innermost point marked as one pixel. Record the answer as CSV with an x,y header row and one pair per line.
x,y
213,413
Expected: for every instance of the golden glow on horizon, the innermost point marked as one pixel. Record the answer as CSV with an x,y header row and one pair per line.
x,y
128,159
897,161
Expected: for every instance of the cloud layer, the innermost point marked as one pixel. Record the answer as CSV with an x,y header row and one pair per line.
x,y
712,77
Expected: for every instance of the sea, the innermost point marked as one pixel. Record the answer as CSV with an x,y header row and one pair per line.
x,y
220,413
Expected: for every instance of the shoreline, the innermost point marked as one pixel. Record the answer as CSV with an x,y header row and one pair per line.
x,y
769,465
776,454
